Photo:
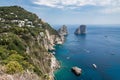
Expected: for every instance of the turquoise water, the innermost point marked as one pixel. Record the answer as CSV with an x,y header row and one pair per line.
x,y
100,46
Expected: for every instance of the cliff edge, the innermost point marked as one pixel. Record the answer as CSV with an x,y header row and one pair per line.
x,y
25,41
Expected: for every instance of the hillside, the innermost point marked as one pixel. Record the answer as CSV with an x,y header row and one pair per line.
x,y
25,42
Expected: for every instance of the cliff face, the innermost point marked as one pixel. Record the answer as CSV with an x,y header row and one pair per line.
x,y
52,39
81,30
24,44
63,31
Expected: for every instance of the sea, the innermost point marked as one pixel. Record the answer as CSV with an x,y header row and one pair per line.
x,y
100,46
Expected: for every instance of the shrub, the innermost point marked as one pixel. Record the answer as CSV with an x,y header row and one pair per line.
x,y
16,44
13,67
13,57
46,76
3,52
13,52
51,30
27,65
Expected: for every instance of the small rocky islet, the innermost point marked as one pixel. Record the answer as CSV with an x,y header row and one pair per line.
x,y
63,31
81,30
76,70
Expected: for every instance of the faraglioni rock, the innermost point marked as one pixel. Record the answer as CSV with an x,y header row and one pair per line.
x,y
63,31
76,70
81,30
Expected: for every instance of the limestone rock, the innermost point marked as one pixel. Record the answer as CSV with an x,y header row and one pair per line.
x,y
81,30
63,31
76,70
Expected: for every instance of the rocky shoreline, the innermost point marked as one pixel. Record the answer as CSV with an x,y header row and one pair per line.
x,y
54,66
54,62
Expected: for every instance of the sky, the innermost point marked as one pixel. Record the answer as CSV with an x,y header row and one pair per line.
x,y
71,11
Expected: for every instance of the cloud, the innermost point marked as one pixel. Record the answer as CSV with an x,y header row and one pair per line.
x,y
63,3
110,10
113,7
107,6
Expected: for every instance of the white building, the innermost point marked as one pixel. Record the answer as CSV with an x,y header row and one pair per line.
x,y
2,20
11,13
40,25
16,16
29,24
14,21
21,23
25,19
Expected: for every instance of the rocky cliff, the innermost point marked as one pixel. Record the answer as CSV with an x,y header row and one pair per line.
x,y
63,31
81,30
25,41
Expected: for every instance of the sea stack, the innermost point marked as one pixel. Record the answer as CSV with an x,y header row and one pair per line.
x,y
81,30
63,31
76,70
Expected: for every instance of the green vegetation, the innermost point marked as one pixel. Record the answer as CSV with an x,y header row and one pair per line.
x,y
18,62
13,67
16,12
52,31
12,42
46,76
7,14
22,48
14,57
3,52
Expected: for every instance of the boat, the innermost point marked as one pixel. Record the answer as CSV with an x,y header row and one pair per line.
x,y
95,66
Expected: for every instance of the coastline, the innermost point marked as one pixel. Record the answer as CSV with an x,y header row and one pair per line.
x,y
54,66
58,40
53,40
